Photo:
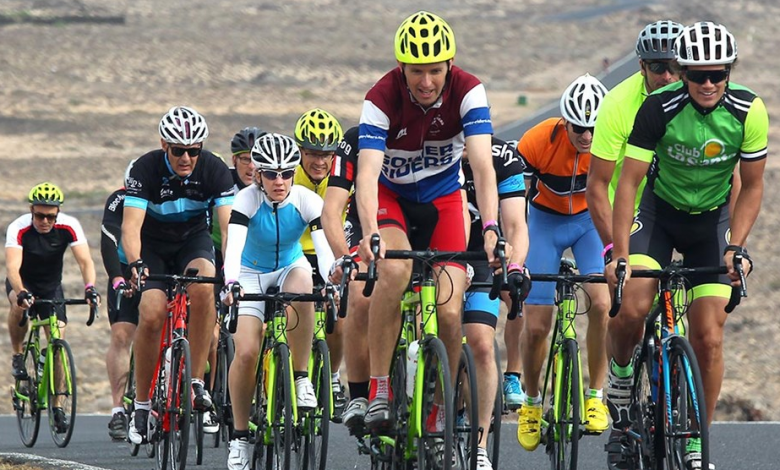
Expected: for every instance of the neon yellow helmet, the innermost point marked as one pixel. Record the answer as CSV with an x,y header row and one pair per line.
x,y
424,38
46,194
317,129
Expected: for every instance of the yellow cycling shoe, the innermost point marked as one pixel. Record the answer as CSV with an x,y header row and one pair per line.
x,y
529,426
597,415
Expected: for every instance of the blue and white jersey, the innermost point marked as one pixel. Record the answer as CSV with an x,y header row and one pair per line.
x,y
265,235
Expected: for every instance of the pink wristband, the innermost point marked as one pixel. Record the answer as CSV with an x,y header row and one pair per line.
x,y
488,223
606,249
88,285
514,266
117,284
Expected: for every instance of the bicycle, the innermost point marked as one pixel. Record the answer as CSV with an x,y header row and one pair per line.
x,y
278,431
51,377
563,422
221,394
170,390
412,405
667,395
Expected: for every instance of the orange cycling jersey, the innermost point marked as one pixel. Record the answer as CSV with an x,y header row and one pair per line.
x,y
558,172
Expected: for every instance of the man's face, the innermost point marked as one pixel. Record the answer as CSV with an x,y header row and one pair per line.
x,y
316,163
659,73
44,217
426,81
244,166
580,137
707,83
182,158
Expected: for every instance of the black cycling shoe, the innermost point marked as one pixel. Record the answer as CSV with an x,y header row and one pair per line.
x,y
201,400
619,455
339,402
379,417
18,369
61,422
136,432
117,427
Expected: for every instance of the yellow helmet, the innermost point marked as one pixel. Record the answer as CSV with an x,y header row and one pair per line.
x,y
317,129
424,38
46,194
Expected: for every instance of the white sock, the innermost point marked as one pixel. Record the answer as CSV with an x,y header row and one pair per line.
x,y
117,409
143,405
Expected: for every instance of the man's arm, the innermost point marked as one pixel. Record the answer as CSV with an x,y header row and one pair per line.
x,y
736,185
132,221
109,237
748,203
597,195
86,265
481,161
13,263
515,228
335,200
623,214
367,192
223,216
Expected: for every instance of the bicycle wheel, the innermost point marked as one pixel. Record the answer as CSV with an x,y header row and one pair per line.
x,y
315,423
197,430
179,404
225,353
62,393
466,404
25,399
434,447
644,412
157,447
688,417
494,438
128,403
566,422
258,415
279,452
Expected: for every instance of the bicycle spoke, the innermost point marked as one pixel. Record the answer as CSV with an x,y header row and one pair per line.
x,y
62,393
25,401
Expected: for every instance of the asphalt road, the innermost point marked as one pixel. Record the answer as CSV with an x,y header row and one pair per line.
x,y
742,446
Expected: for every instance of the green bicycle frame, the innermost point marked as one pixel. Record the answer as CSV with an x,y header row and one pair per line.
x,y
564,330
45,382
430,328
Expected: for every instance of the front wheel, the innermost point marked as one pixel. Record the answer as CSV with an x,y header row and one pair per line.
x,y
25,400
179,405
315,424
466,405
62,393
434,446
280,405
566,415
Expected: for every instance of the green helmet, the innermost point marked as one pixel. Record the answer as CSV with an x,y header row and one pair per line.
x,y
46,194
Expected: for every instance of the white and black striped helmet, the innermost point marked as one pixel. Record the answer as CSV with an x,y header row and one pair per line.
x,y
274,151
656,41
705,43
581,101
183,126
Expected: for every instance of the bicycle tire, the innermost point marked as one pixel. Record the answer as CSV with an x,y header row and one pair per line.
x,y
466,437
434,448
643,411
258,415
225,353
25,400
279,453
157,447
566,425
128,403
62,389
494,436
197,430
316,423
179,406
688,410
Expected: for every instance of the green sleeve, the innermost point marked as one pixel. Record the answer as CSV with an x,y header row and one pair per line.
x,y
756,131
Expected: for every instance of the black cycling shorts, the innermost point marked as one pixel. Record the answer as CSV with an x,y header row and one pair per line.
x,y
478,308
43,311
172,257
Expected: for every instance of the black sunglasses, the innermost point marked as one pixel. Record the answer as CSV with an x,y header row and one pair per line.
x,y
660,68
41,216
579,129
701,76
272,175
180,151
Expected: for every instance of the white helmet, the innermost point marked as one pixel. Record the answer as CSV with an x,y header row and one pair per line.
x,y
656,41
705,43
581,100
275,152
183,126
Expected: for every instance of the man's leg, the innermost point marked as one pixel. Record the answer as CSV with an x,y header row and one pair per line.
x,y
533,344
117,367
16,333
511,388
707,318
357,356
480,338
595,410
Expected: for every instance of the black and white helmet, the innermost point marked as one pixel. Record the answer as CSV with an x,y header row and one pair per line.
x,y
244,140
581,101
705,43
183,126
274,151
656,41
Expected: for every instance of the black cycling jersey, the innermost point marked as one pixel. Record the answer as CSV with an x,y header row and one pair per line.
x,y
509,178
177,207
110,233
345,166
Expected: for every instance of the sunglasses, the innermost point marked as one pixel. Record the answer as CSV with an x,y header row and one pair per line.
x,y
244,160
180,151
272,175
41,217
701,76
580,130
660,68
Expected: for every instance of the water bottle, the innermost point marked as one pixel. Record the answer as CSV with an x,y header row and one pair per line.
x,y
41,362
411,367
168,362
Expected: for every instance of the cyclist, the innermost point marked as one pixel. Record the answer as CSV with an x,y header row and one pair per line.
x,y
557,153
712,125
165,230
264,251
318,134
35,245
343,238
480,314
657,68
123,317
414,125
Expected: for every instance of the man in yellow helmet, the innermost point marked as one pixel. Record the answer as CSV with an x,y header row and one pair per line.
x,y
318,134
